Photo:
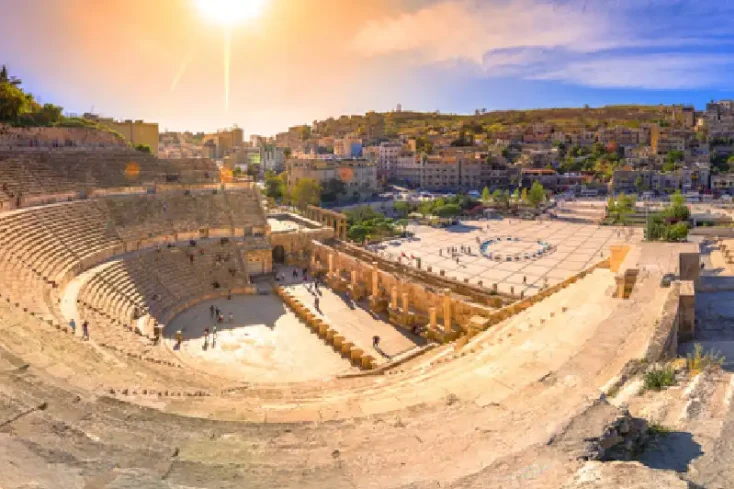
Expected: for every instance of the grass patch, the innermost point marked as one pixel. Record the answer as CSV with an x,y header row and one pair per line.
x,y
659,378
657,429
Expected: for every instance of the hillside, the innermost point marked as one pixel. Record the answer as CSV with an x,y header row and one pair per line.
x,y
375,125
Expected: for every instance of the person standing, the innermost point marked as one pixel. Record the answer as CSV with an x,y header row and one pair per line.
x,y
211,310
85,330
72,325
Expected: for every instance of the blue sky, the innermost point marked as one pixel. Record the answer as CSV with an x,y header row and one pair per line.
x,y
299,62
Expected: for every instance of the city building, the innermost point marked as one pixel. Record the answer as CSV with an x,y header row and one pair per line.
x,y
225,140
347,148
388,159
359,176
723,182
135,132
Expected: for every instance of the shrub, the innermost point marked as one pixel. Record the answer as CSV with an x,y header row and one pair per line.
x,y
659,378
700,361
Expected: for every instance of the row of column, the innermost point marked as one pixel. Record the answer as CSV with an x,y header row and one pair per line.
x,y
375,291
337,222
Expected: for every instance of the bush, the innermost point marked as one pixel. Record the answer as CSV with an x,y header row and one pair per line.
x,y
659,378
700,361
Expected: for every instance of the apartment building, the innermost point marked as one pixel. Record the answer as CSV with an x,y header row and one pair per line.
x,y
347,148
387,161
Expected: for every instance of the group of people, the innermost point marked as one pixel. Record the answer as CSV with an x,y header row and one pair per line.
x,y
304,273
215,312
85,329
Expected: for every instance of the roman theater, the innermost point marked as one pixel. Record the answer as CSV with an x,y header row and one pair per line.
x,y
232,344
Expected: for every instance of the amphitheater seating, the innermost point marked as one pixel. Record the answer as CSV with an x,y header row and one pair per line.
x,y
47,173
44,247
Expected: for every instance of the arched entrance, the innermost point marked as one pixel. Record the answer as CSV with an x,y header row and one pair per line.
x,y
279,254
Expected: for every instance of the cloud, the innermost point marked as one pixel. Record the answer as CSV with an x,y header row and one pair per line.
x,y
609,44
452,30
663,71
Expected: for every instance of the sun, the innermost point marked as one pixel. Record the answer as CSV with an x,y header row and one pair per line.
x,y
230,12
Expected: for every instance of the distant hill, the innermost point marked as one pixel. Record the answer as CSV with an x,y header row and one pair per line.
x,y
374,125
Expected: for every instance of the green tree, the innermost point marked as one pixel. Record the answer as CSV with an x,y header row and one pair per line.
x,y
639,183
536,195
401,207
358,232
403,223
253,170
305,192
143,148
448,210
486,195
501,199
332,189
274,185
13,102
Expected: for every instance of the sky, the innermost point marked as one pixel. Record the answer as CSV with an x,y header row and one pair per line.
x,y
301,60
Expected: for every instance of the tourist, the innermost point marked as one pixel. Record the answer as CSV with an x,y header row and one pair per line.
x,y
214,334
85,330
295,273
211,310
191,258
375,342
316,302
72,325
206,336
217,311
220,318
524,280
230,317
179,339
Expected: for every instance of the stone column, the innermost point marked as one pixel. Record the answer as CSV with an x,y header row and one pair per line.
x,y
354,279
394,297
447,311
375,280
433,314
406,306
331,264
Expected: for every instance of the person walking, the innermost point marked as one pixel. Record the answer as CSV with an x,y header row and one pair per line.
x,y
85,330
230,317
211,310
375,342
72,325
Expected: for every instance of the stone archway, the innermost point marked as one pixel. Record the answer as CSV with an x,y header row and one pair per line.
x,y
279,254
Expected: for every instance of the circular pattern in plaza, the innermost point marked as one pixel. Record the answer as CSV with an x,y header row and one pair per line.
x,y
512,248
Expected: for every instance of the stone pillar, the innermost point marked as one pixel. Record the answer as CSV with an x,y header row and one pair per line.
x,y
418,263
433,313
689,266
447,311
687,311
375,279
354,279
394,297
406,306
331,264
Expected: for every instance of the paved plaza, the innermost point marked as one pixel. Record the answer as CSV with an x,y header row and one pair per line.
x,y
264,342
574,247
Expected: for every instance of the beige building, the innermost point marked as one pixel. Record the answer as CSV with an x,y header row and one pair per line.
x,y
359,176
135,132
225,140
